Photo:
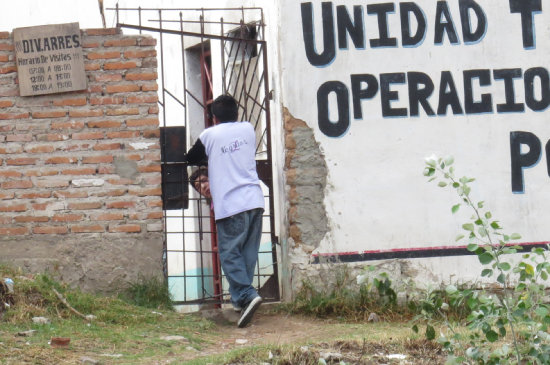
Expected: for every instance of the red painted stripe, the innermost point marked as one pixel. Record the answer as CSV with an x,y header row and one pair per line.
x,y
420,249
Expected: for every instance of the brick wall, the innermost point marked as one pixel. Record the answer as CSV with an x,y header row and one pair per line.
x,y
80,172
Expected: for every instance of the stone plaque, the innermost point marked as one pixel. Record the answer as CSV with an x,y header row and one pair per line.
x,y
49,59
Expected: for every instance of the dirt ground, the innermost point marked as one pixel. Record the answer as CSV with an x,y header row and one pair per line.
x,y
362,343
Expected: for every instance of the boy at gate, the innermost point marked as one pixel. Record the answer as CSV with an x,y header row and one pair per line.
x,y
238,199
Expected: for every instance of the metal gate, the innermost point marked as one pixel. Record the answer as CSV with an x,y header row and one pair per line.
x,y
203,53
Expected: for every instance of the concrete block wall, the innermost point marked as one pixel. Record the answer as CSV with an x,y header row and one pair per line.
x,y
80,182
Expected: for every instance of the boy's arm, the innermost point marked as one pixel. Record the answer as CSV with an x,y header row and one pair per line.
x,y
197,154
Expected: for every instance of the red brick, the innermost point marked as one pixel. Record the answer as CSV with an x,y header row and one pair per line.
x,y
105,77
120,205
108,217
106,100
147,41
152,156
4,116
140,54
14,231
6,47
88,135
83,171
124,42
17,184
98,159
143,76
41,172
115,192
121,181
149,87
19,138
8,69
53,137
67,125
95,89
154,215
104,124
109,169
13,208
4,58
34,195
6,103
92,66
87,229
142,122
126,228
122,111
133,157
153,110
123,134
71,194
49,114
70,102
30,218
90,44
102,55
151,133
85,205
9,91
6,196
102,31
155,203
107,147
21,161
50,230
85,113
146,192
119,65
61,160
52,183
149,168
41,149
121,88
141,99
67,217
4,35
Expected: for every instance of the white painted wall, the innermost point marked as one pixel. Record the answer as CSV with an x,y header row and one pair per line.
x,y
377,196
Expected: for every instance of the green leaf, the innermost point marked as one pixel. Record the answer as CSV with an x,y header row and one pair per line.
x,y
541,311
454,209
515,236
451,289
486,272
480,204
459,237
544,275
491,335
442,184
430,332
429,171
468,227
504,266
529,269
488,215
449,160
502,279
495,225
456,185
472,247
415,328
485,258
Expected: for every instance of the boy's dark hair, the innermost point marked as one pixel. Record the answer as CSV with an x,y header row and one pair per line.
x,y
196,175
225,108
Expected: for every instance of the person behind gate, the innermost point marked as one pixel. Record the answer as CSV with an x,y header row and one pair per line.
x,y
230,147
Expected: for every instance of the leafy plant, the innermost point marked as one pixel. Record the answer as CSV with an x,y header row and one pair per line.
x,y
149,292
509,324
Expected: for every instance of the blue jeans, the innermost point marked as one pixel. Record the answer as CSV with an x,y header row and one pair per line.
x,y
238,243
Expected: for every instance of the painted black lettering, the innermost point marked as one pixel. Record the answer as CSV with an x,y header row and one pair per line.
x,y
471,106
547,157
387,95
529,79
53,43
419,95
76,40
444,26
61,42
328,127
329,44
467,35
405,11
526,8
358,93
354,28
37,44
508,76
448,98
521,161
382,10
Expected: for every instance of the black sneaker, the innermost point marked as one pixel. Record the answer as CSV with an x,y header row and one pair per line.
x,y
248,312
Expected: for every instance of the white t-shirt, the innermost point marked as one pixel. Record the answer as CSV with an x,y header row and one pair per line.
x,y
234,183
